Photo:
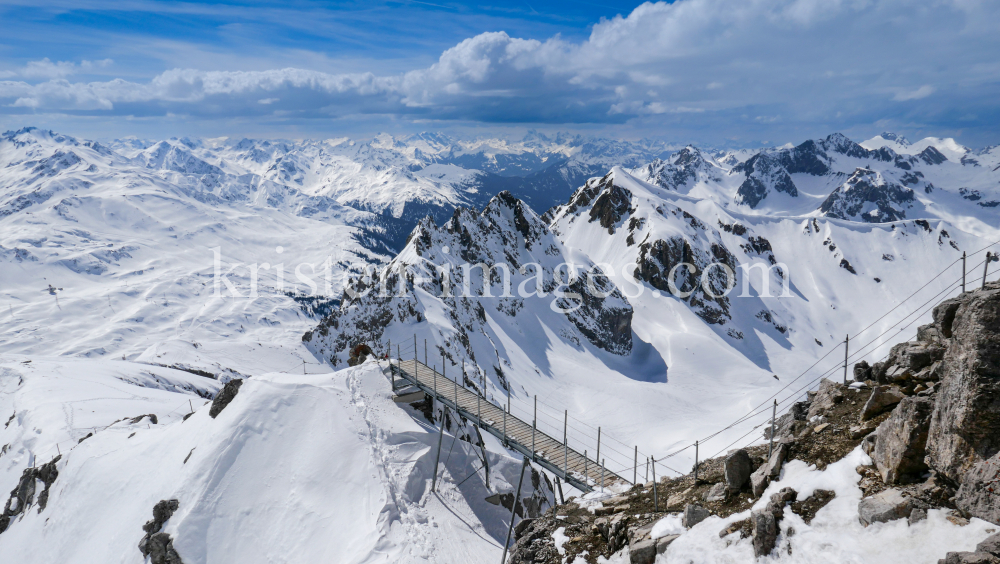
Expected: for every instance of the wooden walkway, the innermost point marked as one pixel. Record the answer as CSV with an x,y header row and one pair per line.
x,y
544,450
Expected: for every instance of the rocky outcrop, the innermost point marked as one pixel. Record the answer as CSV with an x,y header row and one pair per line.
x,y
738,468
224,397
764,174
359,354
868,196
825,399
965,426
157,545
882,399
643,548
979,493
771,469
765,522
23,495
900,441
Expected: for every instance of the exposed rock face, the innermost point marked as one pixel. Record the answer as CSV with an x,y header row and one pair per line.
x,y
659,264
913,360
965,426
156,545
764,174
901,439
738,468
224,397
610,206
991,545
826,398
882,399
500,264
979,494
23,495
867,196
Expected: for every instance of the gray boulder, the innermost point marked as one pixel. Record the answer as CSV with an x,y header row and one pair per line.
x,y
882,399
765,532
884,507
643,549
759,481
979,493
900,441
778,456
718,492
694,514
738,467
965,426
990,545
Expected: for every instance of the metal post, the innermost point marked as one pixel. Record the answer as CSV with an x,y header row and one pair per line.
x,y
504,426
602,475
635,466
566,443
513,508
508,397
303,366
770,444
586,473
534,427
963,272
425,352
437,458
435,371
416,364
695,464
986,269
656,502
847,347
598,444
562,498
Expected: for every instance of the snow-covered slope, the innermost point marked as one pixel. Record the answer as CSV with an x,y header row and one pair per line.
x,y
132,256
317,468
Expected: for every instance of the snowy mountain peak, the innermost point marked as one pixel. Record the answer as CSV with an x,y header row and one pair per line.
x,y
764,175
868,196
888,136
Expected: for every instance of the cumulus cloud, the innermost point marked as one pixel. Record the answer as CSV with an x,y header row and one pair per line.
x,y
689,60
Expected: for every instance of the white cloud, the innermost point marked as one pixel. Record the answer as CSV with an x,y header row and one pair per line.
x,y
805,60
47,70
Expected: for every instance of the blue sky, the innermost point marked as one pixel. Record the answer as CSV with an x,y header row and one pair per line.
x,y
722,72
